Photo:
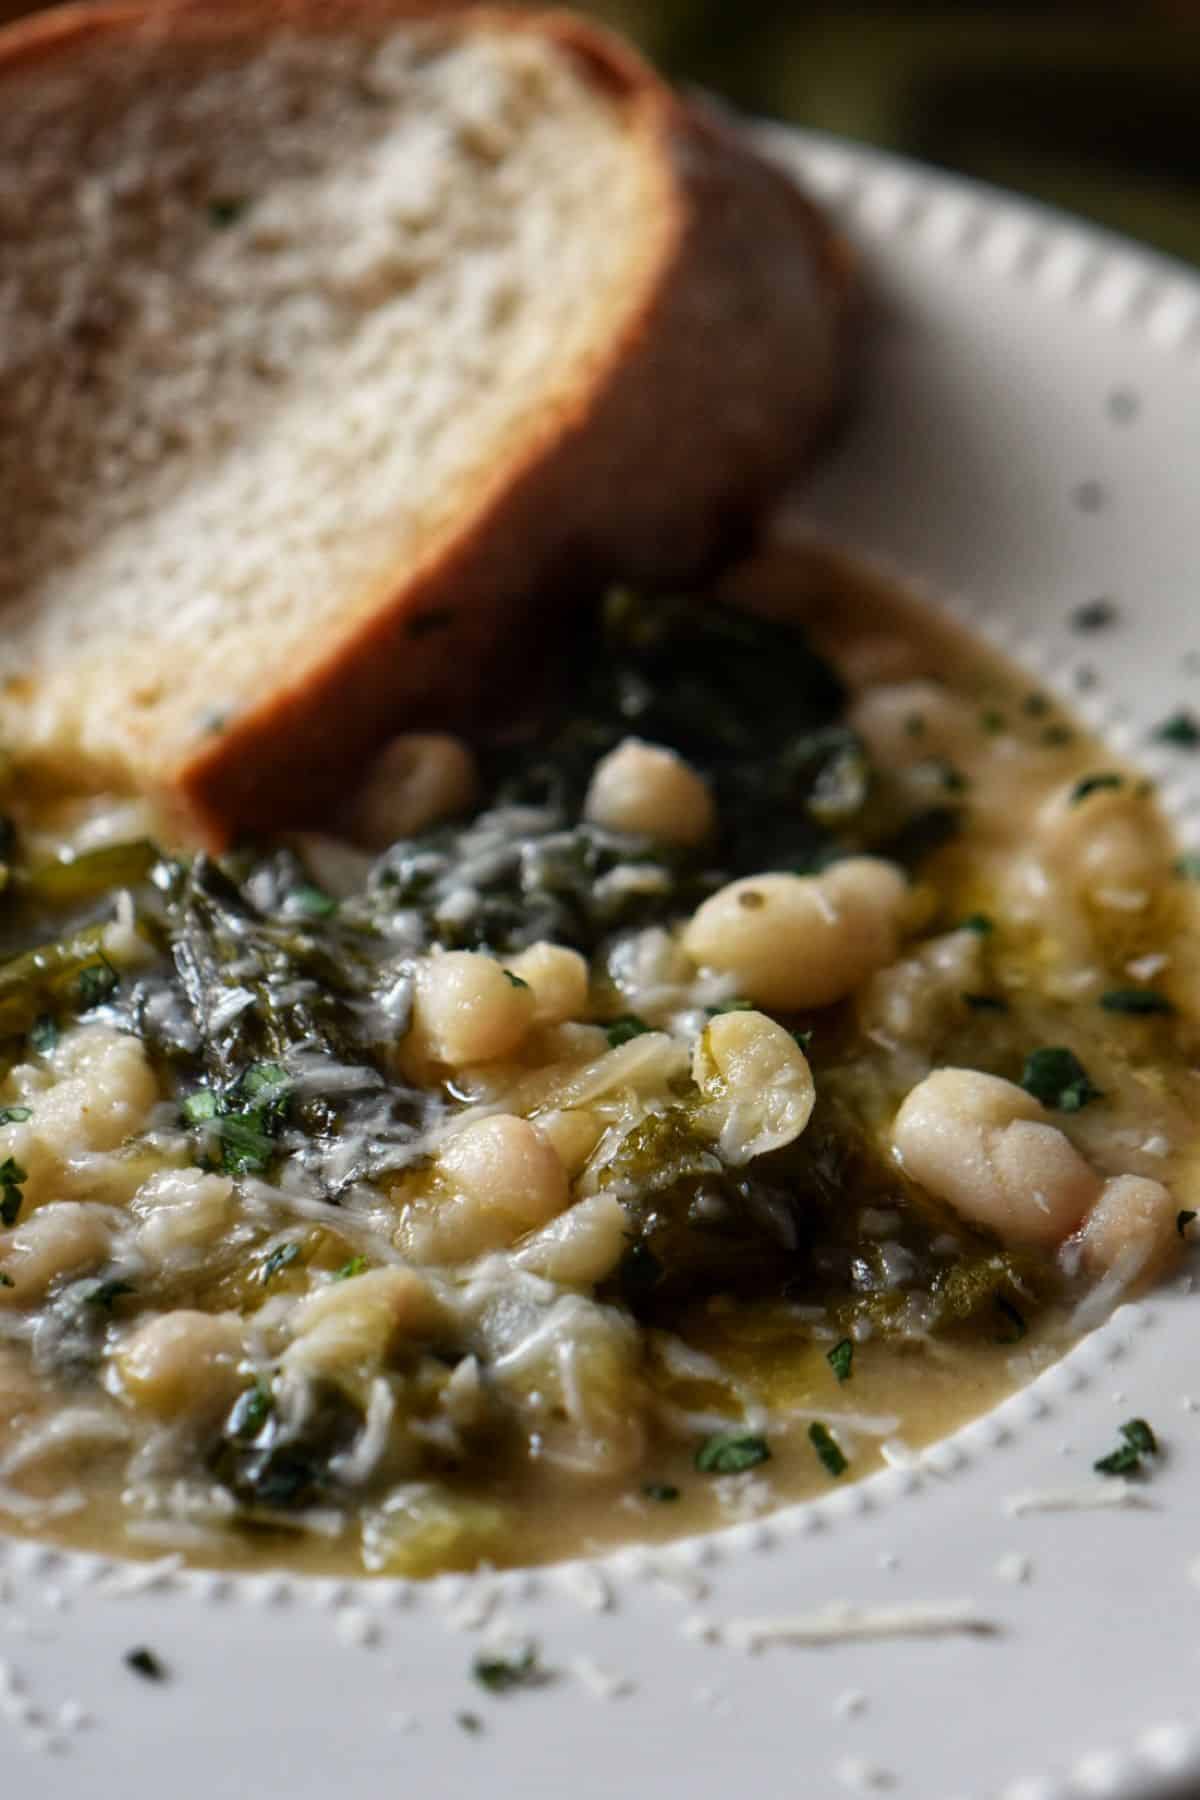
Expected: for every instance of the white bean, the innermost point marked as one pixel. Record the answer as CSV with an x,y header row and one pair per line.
x,y
757,1084
181,1209
1132,1222
183,1364
352,1326
558,978
649,791
989,1150
582,1246
415,780
1105,839
64,1238
498,1178
794,941
467,1009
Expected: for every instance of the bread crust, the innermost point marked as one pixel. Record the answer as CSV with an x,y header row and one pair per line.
x,y
723,374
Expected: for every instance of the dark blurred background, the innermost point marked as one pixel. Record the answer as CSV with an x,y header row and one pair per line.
x,y
1089,106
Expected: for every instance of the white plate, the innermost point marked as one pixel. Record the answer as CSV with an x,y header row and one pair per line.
x,y
1029,439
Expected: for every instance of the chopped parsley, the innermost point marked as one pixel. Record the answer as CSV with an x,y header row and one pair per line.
x,y
980,923
43,1034
1094,615
6,1280
731,1452
313,901
663,1491
250,1412
841,1359
827,1448
516,981
107,1293
728,1006
1126,1459
145,1663
1183,1220
985,1003
245,1118
1055,1076
15,1115
1139,1001
280,1258
619,1031
97,983
1036,705
357,1265
1187,866
11,1177
1181,730
469,1722
1055,736
993,721
1105,781
502,1674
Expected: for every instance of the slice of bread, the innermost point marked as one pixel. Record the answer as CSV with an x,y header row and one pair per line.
x,y
335,337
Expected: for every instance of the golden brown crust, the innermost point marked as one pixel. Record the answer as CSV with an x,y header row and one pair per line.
x,y
719,379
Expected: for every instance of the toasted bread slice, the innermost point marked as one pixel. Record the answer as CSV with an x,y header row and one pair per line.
x,y
335,337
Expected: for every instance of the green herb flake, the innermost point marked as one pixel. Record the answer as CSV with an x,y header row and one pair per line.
x,y
1055,737
1183,1220
731,1452
357,1265
313,901
953,780
43,1034
1104,782
663,1491
1187,867
1140,1002
15,1115
225,210
107,1293
145,1663
620,1031
469,1722
503,1674
516,981
1035,705
985,1003
1094,615
827,1448
1013,1318
979,923
1126,1459
993,722
1055,1076
250,1412
199,1107
279,1259
246,1149
6,1280
841,1359
96,984
730,1006
11,1177
1181,731
914,725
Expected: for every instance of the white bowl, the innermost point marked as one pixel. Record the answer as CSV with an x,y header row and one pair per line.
x,y
1028,439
